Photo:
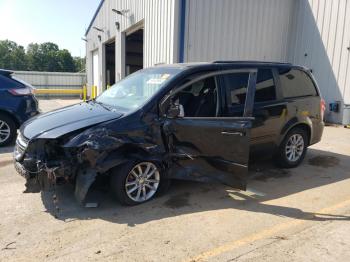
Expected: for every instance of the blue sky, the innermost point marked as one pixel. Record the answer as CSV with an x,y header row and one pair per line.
x,y
60,21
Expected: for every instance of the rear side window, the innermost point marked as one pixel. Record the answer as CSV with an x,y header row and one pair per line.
x,y
265,86
7,82
236,88
296,83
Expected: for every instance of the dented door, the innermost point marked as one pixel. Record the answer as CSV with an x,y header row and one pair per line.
x,y
211,149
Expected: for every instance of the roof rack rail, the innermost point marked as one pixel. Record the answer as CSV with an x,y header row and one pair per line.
x,y
227,61
247,61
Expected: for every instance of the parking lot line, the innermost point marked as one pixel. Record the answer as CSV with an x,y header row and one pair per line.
x,y
267,233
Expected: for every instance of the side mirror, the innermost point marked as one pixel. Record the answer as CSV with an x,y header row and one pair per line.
x,y
173,111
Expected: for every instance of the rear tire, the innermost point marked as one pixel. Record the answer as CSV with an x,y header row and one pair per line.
x,y
293,148
8,130
132,185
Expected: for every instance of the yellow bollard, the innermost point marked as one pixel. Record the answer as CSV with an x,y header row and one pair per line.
x,y
108,87
84,93
95,91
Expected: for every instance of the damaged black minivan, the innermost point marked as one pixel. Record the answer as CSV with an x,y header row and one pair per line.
x,y
184,121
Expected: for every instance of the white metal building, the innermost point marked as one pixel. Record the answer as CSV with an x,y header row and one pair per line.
x,y
126,35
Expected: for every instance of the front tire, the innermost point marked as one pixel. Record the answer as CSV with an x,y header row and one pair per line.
x,y
8,130
137,182
293,148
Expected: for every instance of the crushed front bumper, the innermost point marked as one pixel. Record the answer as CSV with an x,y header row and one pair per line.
x,y
21,170
45,164
35,181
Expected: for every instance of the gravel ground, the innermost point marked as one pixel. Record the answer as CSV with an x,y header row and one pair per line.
x,y
286,215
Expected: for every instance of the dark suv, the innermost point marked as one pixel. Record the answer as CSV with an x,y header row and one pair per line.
x,y
184,121
17,104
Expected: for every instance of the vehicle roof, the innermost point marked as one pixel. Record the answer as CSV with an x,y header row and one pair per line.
x,y
233,64
5,72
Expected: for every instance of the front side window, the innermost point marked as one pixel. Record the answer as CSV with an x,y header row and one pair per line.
x,y
134,91
236,86
199,99
296,83
265,86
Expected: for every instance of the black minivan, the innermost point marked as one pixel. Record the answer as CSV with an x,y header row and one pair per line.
x,y
185,121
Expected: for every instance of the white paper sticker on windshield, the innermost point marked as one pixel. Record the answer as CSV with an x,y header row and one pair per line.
x,y
155,81
165,76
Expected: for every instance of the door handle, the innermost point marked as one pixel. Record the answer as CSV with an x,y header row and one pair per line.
x,y
229,133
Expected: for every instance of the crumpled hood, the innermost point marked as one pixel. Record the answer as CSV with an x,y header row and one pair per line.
x,y
68,119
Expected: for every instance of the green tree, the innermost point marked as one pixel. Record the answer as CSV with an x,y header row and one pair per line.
x,y
34,58
39,57
65,61
79,64
12,56
44,57
49,52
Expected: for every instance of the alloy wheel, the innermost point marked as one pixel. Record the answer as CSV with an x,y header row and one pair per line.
x,y
142,182
5,131
295,147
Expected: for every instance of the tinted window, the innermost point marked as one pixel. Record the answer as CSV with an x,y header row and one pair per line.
x,y
296,83
236,88
8,83
265,86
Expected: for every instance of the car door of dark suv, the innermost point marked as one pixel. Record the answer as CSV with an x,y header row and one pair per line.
x,y
205,145
268,110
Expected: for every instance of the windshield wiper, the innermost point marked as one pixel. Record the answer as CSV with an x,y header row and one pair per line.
x,y
103,105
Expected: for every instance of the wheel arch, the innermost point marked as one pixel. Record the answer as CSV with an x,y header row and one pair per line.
x,y
303,125
10,115
126,153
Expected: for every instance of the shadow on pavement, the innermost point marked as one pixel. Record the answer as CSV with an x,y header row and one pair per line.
x,y
7,149
265,183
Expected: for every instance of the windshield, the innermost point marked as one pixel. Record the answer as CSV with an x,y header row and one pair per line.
x,y
135,90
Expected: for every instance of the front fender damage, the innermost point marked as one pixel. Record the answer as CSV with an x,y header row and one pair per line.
x,y
83,182
82,158
101,150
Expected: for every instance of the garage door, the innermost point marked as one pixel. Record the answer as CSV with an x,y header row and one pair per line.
x,y
95,70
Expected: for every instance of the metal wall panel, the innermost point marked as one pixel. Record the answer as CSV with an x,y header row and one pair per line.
x,y
52,80
321,41
238,30
160,32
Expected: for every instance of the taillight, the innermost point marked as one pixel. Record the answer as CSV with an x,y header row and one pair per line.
x,y
21,91
323,108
